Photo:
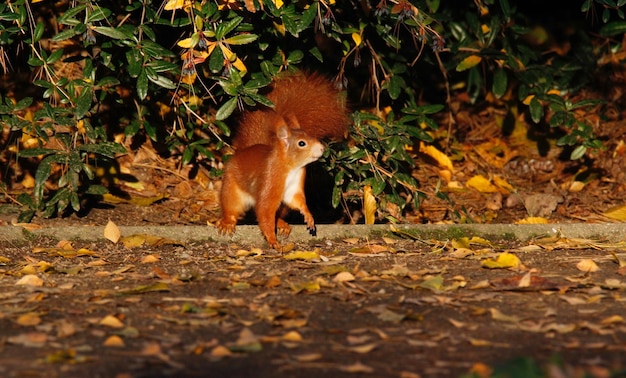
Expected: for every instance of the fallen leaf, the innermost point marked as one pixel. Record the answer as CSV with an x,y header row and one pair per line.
x,y
156,287
344,277
29,319
30,280
111,321
357,368
112,232
149,259
308,357
587,266
481,184
30,339
221,351
362,349
247,342
302,255
499,316
532,220
617,213
442,159
113,341
504,260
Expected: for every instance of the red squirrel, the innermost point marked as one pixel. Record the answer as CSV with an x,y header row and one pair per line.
x,y
272,147
305,101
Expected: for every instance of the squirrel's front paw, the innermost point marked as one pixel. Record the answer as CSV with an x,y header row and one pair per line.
x,y
283,227
312,230
225,228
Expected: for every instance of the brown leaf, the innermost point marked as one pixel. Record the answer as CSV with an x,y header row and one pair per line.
x,y
112,232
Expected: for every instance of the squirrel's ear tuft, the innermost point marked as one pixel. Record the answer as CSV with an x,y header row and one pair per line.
x,y
283,132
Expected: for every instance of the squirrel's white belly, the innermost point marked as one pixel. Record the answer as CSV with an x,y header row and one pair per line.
x,y
293,184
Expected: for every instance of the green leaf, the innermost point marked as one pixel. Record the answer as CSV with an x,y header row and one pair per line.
x,y
241,39
226,110
336,197
115,33
395,86
98,14
36,152
163,82
613,28
83,102
536,110
135,62
41,176
38,32
500,83
96,189
67,18
578,152
108,149
142,85
226,27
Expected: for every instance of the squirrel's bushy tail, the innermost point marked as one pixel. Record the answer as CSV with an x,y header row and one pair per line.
x,y
307,101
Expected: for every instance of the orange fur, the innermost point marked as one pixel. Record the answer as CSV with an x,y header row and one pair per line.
x,y
265,177
305,101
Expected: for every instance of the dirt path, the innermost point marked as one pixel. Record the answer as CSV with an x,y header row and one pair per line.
x,y
387,308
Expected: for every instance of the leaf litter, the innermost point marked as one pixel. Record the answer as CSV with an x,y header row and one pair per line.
x,y
388,307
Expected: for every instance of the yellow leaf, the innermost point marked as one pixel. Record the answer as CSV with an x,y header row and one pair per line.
x,y
186,43
442,159
356,37
576,186
302,255
499,316
280,28
220,351
344,277
504,260
532,220
292,336
482,184
278,3
613,319
528,99
250,5
503,184
369,205
485,28
238,64
30,280
112,232
111,321
309,286
587,265
134,240
149,259
113,341
156,287
468,63
434,283
29,319
174,4
617,213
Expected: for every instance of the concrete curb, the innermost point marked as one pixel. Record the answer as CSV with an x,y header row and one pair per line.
x,y
245,235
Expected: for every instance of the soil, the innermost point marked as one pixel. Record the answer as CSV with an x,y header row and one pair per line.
x,y
388,307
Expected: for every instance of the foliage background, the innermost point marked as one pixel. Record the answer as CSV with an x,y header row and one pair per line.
x,y
86,82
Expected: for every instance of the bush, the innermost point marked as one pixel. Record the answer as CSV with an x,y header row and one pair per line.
x,y
174,73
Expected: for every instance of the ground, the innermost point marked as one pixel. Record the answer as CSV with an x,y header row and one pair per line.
x,y
388,306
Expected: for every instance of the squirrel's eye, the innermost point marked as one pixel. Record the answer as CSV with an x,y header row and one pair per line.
x,y
301,143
